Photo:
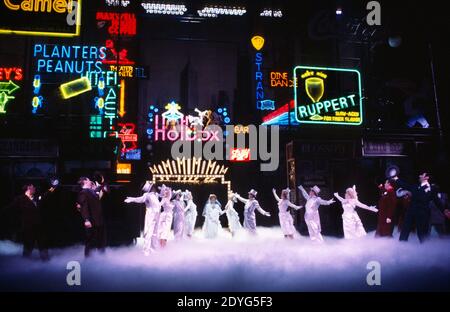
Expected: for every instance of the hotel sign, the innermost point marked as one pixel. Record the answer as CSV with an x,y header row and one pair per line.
x,y
328,96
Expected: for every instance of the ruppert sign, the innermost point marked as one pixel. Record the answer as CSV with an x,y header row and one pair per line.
x,y
55,18
328,96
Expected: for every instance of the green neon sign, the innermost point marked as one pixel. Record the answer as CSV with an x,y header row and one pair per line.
x,y
6,89
325,95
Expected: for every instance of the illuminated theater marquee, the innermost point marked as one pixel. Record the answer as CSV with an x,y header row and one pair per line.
x,y
328,96
56,18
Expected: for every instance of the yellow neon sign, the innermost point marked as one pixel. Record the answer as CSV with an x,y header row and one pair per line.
x,y
122,99
123,168
258,42
75,87
45,6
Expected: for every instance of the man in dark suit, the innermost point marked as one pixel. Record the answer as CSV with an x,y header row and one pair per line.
x,y
419,211
32,225
92,214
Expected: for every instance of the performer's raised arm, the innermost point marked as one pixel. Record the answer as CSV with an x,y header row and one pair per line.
x,y
364,206
339,197
137,200
261,211
303,191
240,198
275,195
294,206
324,202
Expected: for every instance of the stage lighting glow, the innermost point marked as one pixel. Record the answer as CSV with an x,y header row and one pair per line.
x,y
164,8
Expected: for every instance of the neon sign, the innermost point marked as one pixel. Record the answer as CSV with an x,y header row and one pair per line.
x,y
258,42
241,129
173,125
54,58
190,171
106,102
122,99
259,79
125,71
281,80
127,136
6,89
183,132
41,17
151,115
11,73
318,99
116,57
261,102
123,168
75,87
172,112
7,86
282,116
127,22
240,154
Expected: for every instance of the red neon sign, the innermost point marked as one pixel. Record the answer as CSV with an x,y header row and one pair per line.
x,y
240,154
123,24
11,73
127,136
114,57
283,109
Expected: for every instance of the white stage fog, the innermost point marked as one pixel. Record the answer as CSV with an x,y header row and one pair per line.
x,y
266,262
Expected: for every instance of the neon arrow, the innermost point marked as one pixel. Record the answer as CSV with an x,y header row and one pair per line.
x,y
122,99
9,87
4,98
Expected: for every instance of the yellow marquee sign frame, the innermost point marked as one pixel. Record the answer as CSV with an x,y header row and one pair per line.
x,y
190,171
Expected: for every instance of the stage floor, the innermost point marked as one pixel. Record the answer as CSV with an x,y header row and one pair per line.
x,y
266,262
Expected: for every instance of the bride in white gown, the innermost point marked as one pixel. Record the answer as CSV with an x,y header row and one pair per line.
x,y
212,213
353,227
234,225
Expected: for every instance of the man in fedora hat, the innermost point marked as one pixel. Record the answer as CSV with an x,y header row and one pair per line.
x,y
152,211
419,211
92,214
312,217
251,204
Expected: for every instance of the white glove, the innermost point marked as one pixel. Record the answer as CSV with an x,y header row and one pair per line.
x,y
388,220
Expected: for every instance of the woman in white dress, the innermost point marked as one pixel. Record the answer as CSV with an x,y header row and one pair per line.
x,y
153,209
353,227
286,221
178,214
312,217
234,225
251,204
166,217
190,214
212,213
